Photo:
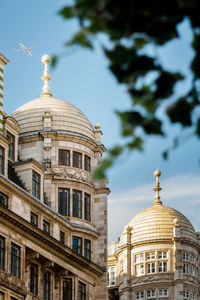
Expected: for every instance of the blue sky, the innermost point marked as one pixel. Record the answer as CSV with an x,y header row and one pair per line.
x,y
83,79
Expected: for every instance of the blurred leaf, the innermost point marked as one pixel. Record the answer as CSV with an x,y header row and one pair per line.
x,y
165,84
116,151
180,112
165,154
54,61
81,39
100,172
67,12
136,144
153,126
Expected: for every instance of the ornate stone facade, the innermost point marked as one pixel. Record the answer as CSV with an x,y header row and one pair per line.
x,y
53,216
156,257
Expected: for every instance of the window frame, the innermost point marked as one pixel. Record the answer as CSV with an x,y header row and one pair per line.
x,y
77,204
111,276
36,184
15,258
138,269
162,294
46,289
63,203
2,252
87,207
77,159
81,290
64,158
11,139
140,295
150,264
33,217
62,237
4,196
87,163
66,290
48,224
34,278
87,250
79,247
2,160
162,266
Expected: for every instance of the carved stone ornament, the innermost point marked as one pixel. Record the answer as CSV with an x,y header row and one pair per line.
x,y
7,279
154,278
68,173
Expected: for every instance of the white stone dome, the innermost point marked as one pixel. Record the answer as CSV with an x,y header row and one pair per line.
x,y
156,223
65,116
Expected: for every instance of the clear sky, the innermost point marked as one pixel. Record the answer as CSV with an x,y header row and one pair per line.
x,y
82,78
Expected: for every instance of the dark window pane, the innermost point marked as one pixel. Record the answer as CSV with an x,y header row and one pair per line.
x,y
87,207
64,201
3,199
46,227
46,285
77,203
11,151
34,279
2,253
87,163
67,289
62,237
2,160
36,185
64,157
77,244
34,219
15,260
77,160
81,291
87,249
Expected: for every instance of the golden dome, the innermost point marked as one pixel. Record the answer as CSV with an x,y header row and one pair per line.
x,y
157,223
65,116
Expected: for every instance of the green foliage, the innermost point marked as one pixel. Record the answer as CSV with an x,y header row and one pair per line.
x,y
131,27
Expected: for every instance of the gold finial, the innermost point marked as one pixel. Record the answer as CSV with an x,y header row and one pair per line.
x,y
157,188
46,77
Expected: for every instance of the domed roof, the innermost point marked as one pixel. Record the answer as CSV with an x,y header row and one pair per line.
x,y
65,116
157,223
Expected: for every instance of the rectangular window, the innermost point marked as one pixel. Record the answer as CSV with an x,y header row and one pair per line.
x,y
67,289
77,160
162,254
77,244
186,294
64,157
150,255
46,285
62,237
186,256
2,151
87,163
81,291
15,260
2,253
34,219
87,207
186,269
111,276
34,279
151,268
140,295
64,201
46,227
77,204
87,249
36,185
193,296
193,271
162,266
162,293
139,258
3,200
151,294
11,151
139,270
192,258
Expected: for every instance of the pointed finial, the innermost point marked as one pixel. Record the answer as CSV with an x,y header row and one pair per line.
x,y
46,77
157,188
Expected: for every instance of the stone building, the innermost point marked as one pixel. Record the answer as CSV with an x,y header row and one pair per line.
x,y
156,257
53,216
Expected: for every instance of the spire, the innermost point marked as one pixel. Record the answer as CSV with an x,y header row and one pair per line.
x,y
46,77
157,188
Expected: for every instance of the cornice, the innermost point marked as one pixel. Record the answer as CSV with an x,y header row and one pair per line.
x,y
3,59
23,227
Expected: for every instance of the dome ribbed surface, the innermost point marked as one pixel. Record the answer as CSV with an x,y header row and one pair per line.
x,y
65,116
157,222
